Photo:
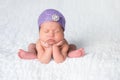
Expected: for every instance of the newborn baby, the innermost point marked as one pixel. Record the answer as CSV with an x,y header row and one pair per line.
x,y
51,43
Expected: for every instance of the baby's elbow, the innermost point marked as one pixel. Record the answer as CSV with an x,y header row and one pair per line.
x,y
44,61
60,60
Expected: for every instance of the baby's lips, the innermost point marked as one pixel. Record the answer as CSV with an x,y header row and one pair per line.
x,y
51,41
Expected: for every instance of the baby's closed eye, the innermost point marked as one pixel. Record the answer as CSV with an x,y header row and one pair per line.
x,y
56,31
46,31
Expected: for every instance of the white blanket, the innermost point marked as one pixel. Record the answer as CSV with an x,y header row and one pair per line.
x,y
91,24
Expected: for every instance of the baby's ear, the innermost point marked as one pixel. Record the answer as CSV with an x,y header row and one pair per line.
x,y
62,28
39,28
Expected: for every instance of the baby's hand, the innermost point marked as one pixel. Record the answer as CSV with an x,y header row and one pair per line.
x,y
60,43
45,44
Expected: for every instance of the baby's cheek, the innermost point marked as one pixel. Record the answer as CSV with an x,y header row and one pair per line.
x,y
43,37
59,37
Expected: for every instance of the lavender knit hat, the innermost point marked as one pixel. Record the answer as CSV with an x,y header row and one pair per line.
x,y
51,15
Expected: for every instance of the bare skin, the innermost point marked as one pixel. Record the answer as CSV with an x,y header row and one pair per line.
x,y
51,44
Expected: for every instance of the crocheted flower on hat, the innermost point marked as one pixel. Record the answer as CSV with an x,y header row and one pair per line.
x,y
55,17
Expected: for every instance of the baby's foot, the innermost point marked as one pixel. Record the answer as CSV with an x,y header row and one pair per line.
x,y
26,55
76,53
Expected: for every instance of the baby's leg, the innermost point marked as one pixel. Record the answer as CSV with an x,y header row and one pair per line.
x,y
74,53
30,54
32,48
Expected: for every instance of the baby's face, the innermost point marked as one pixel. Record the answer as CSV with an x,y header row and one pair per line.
x,y
51,32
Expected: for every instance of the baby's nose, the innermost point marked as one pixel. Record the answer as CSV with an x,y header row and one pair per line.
x,y
51,34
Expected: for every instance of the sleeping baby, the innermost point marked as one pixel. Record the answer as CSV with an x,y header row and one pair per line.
x,y
51,43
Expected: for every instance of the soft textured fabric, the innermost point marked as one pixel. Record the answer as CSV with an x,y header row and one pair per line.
x,y
51,15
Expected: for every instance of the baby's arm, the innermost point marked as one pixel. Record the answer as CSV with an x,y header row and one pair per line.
x,y
43,54
59,55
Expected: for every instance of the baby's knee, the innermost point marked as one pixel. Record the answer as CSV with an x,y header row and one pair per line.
x,y
32,45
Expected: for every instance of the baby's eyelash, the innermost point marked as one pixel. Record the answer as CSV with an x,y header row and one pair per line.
x,y
57,31
46,31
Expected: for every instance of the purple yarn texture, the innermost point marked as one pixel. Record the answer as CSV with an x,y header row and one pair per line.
x,y
51,15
